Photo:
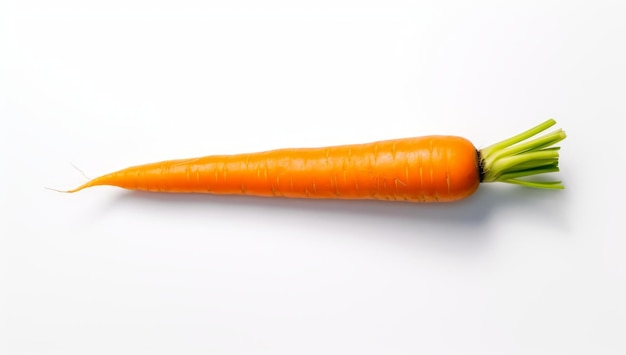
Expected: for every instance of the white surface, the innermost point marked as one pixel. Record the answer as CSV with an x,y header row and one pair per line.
x,y
508,271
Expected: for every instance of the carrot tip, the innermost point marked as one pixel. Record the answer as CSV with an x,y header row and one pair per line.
x,y
89,182
68,191
56,190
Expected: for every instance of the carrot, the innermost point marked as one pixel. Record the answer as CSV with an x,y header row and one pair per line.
x,y
420,169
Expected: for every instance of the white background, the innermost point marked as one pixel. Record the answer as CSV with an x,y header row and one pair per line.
x,y
104,85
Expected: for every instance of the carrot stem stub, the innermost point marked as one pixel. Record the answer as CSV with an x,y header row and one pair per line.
x,y
420,169
522,155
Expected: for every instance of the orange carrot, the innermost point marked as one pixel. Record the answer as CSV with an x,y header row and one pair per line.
x,y
421,169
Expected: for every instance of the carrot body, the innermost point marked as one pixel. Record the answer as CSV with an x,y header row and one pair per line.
x,y
422,169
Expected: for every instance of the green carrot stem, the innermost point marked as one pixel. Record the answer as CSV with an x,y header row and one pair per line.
x,y
521,156
517,138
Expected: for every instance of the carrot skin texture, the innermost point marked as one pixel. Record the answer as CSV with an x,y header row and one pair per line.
x,y
420,169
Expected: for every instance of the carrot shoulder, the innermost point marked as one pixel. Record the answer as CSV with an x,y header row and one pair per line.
x,y
420,169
